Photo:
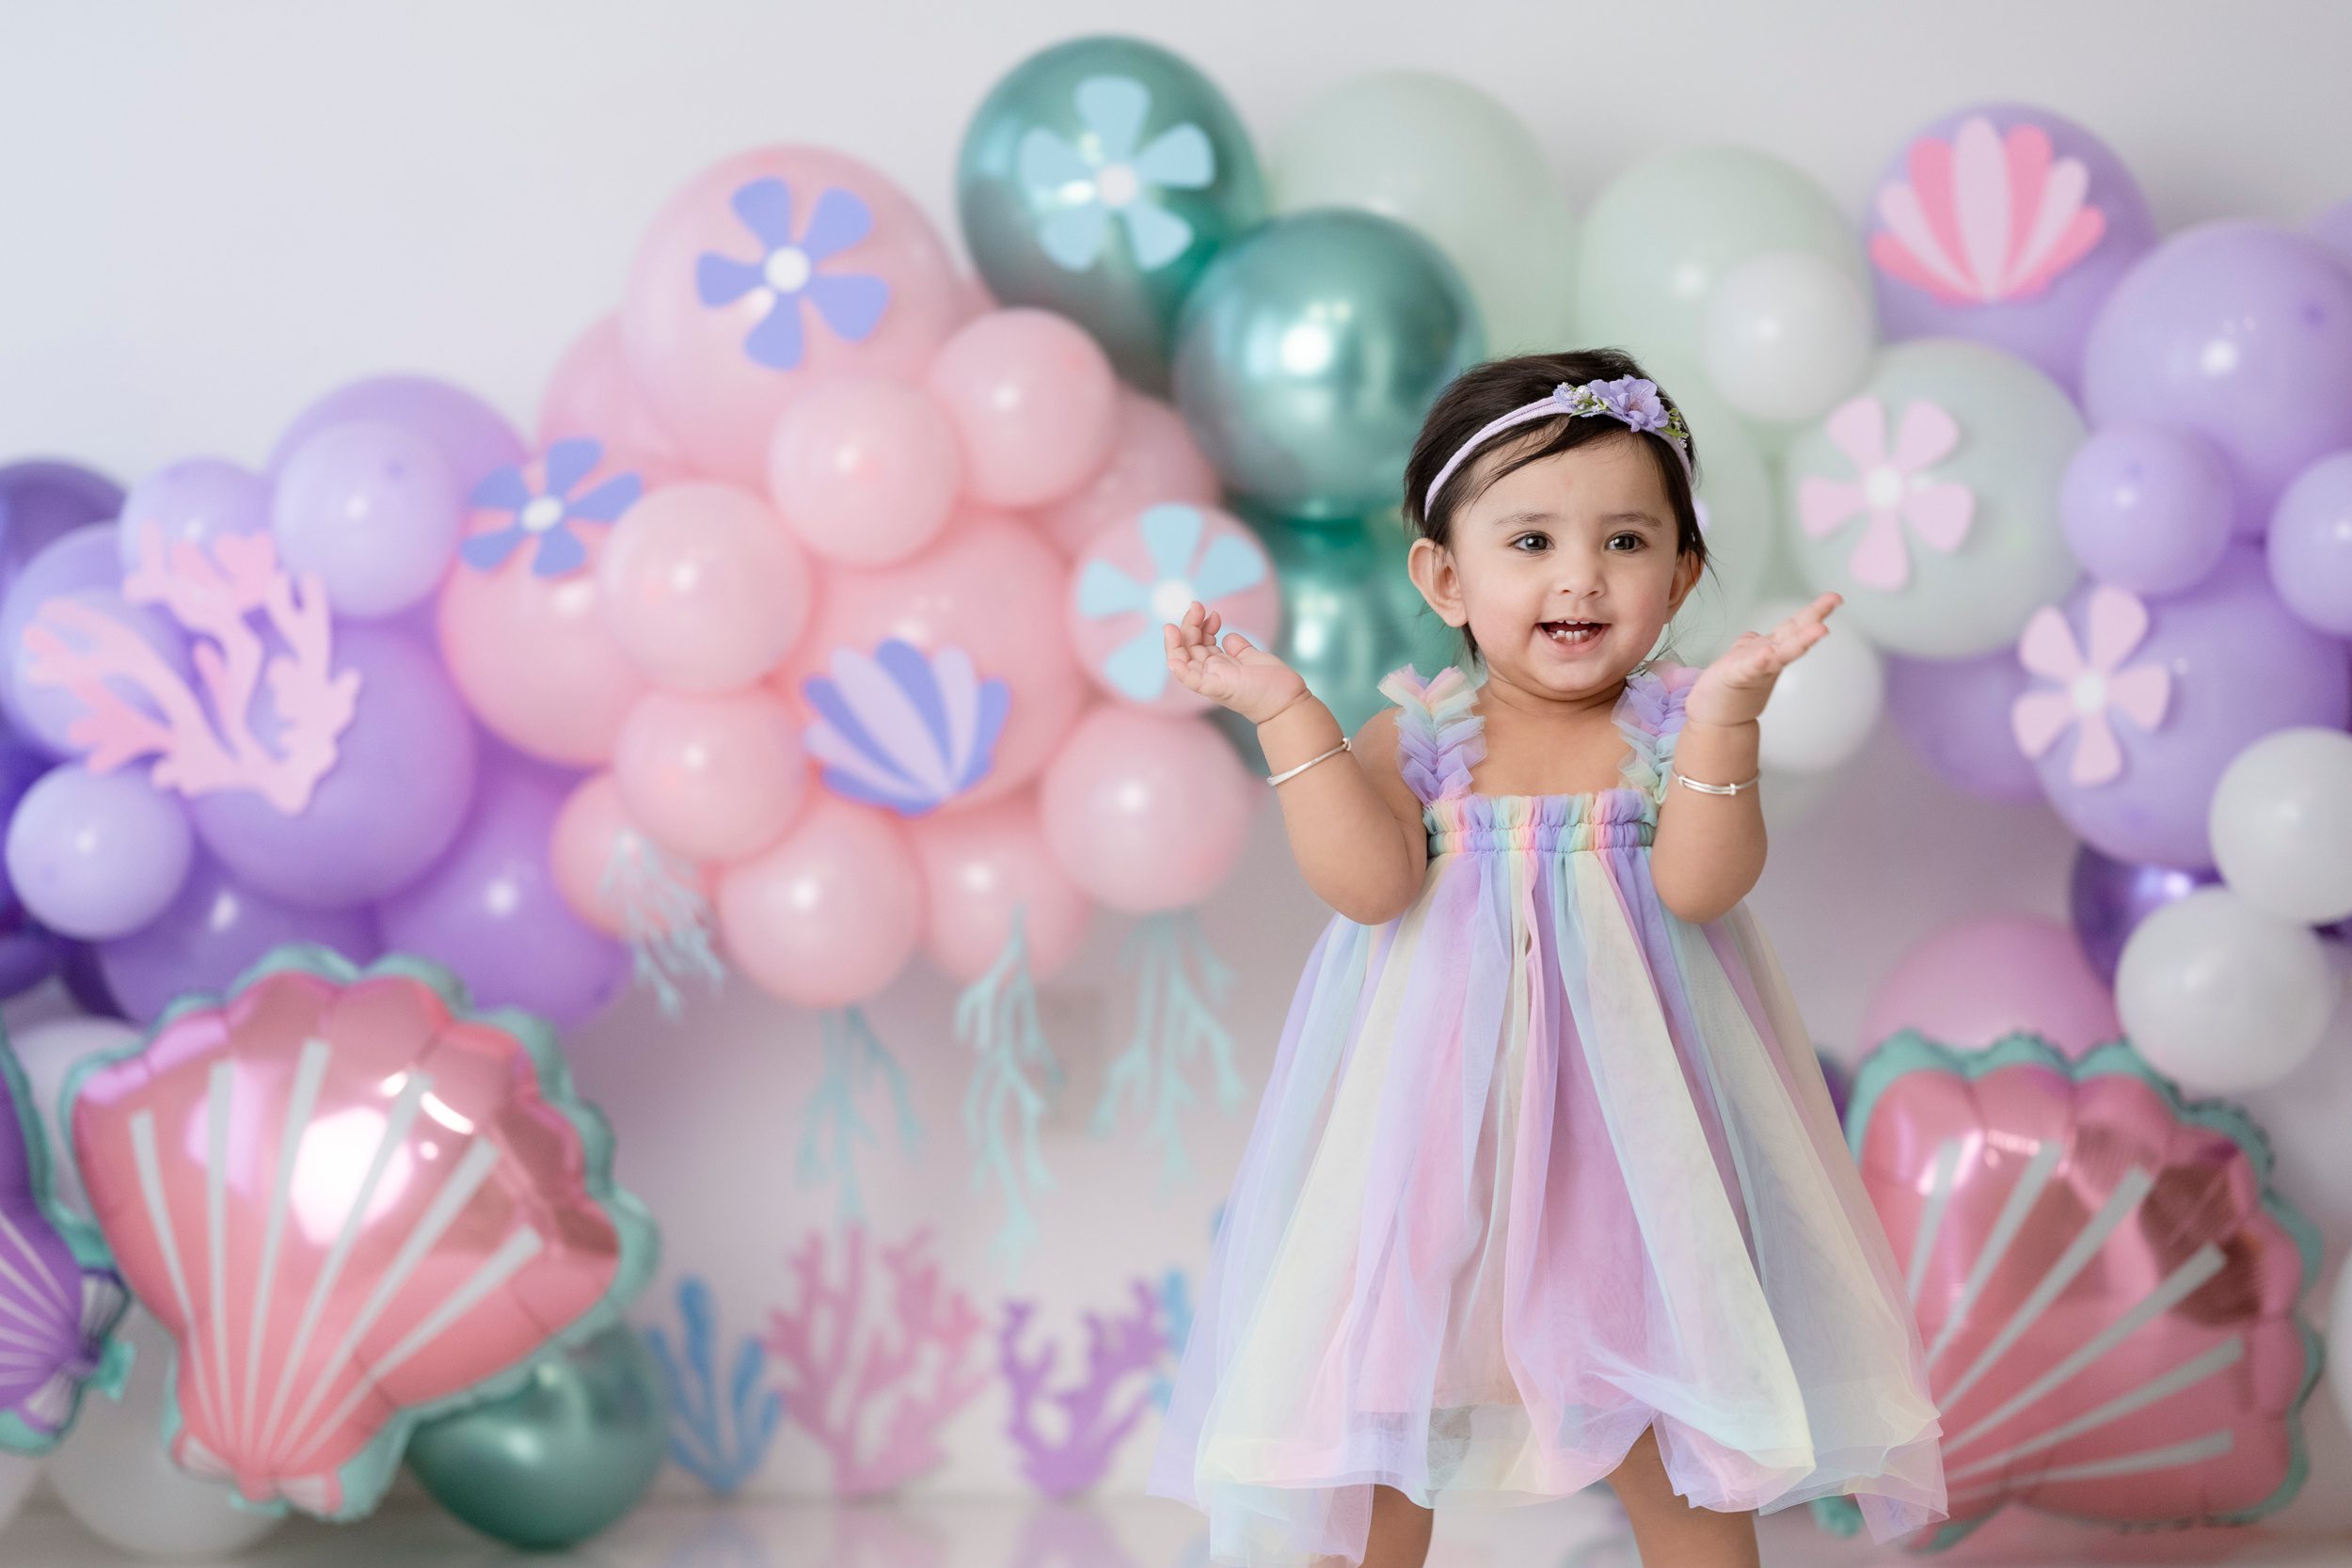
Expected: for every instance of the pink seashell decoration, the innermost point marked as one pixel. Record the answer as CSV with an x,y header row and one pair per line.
x,y
1984,218
348,1201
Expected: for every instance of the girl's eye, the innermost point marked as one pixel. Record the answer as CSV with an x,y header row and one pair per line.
x,y
1524,537
1635,537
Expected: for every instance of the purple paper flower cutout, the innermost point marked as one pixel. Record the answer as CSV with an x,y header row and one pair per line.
x,y
1633,399
788,271
548,515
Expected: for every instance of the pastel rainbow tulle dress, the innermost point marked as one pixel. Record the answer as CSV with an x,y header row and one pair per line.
x,y
1540,1164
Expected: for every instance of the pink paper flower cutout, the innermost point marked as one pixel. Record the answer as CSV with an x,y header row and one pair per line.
x,y
210,593
2089,685
1985,218
1889,489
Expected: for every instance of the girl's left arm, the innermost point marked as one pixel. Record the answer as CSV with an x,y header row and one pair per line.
x,y
1708,849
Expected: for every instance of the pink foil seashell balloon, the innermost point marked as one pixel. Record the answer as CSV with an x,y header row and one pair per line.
x,y
351,1202
2105,1279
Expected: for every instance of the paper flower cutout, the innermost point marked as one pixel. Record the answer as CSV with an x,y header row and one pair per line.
x,y
1105,174
1985,218
548,515
210,595
1183,569
904,729
1889,489
787,272
2091,683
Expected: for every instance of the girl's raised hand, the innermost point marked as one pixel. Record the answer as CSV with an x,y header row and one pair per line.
x,y
1734,688
1239,674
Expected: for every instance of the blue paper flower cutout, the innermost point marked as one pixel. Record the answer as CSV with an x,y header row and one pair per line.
x,y
1104,173
788,271
549,514
1182,571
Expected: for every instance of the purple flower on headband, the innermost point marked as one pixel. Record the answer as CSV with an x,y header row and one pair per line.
x,y
1634,399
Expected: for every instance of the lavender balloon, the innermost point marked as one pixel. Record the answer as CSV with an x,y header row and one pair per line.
x,y
69,564
193,501
467,431
373,508
2311,545
490,908
1955,714
42,502
2333,228
2007,224
46,714
2147,507
30,952
389,806
2239,331
58,1299
212,933
97,854
2234,666
2108,898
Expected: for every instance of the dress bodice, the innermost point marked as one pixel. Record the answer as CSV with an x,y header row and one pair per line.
x,y
1441,735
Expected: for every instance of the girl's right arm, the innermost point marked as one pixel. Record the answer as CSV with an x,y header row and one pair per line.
x,y
1355,825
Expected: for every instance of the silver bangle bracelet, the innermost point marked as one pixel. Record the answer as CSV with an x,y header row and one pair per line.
x,y
1292,772
1716,789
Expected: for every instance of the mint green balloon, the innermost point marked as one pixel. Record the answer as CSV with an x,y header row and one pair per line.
x,y
1097,179
1350,614
1307,354
1740,517
1662,234
1877,493
564,1456
1450,162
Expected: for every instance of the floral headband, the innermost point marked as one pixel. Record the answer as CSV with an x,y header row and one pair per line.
x,y
1630,397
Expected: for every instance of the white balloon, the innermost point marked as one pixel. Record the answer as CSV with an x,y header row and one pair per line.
x,y
1738,503
2222,995
2281,824
2305,1114
114,1476
47,1052
18,1474
1786,335
1825,703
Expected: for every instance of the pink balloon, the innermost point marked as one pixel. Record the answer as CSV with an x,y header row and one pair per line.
x,y
704,587
990,587
532,655
592,393
1153,459
1146,812
347,1200
765,268
977,866
865,471
588,836
1036,401
1971,983
711,777
1140,574
829,913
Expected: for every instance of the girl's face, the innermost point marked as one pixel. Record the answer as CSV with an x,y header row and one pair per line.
x,y
1566,570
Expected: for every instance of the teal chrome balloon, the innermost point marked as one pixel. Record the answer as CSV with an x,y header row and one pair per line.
x,y
560,1459
1350,614
1097,179
1308,352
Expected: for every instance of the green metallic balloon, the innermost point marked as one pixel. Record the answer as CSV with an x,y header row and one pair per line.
x,y
1350,614
560,1459
1098,179
1311,350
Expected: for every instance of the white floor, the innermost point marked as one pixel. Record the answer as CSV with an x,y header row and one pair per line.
x,y
1579,1532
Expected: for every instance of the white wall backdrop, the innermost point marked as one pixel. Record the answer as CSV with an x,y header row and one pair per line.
x,y
210,212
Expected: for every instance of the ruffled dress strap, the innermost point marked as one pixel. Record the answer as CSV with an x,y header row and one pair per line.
x,y
1650,715
1438,736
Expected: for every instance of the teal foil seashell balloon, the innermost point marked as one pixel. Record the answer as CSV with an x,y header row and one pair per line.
x,y
1097,179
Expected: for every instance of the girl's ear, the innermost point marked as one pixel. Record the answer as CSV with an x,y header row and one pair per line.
x,y
1431,565
1687,569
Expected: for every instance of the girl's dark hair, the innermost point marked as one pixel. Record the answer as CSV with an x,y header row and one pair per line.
x,y
1487,393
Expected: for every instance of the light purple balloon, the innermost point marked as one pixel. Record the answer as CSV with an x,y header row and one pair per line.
x,y
375,510
44,715
2242,332
2108,898
30,952
1955,714
2333,228
84,558
2147,507
214,931
2311,545
43,501
97,854
2048,325
2241,667
468,432
193,501
491,912
389,806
